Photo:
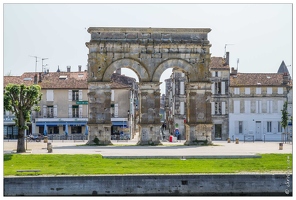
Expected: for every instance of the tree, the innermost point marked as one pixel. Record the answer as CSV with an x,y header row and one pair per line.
x,y
20,100
285,117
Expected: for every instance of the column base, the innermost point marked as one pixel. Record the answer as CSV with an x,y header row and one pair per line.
x,y
99,134
198,134
149,134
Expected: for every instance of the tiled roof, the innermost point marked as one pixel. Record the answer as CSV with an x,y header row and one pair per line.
x,y
63,80
51,80
126,80
256,79
218,63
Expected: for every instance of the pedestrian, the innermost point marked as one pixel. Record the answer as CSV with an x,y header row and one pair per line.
x,y
177,133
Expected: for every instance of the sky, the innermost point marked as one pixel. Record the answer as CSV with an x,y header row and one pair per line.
x,y
258,35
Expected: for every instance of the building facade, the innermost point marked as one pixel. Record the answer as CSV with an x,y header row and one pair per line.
x,y
255,104
219,68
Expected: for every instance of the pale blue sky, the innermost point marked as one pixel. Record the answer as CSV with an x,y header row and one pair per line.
x,y
261,33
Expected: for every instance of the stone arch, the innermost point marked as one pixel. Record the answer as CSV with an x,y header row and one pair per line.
x,y
182,64
132,64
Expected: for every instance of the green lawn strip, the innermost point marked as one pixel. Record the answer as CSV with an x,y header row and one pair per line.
x,y
78,164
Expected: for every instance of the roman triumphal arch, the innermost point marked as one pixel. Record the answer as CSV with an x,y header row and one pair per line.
x,y
149,52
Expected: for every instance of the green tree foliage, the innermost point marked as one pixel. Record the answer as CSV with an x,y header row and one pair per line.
x,y
285,117
20,100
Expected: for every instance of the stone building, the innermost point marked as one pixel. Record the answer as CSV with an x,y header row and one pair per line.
x,y
255,104
219,68
176,103
63,105
149,52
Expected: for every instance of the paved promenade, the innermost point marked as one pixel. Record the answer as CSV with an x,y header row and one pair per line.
x,y
168,149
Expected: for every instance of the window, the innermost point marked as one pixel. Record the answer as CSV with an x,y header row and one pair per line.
x,y
269,127
258,107
53,129
280,128
269,90
236,108
269,107
76,129
218,108
280,106
236,90
247,106
75,111
75,95
49,112
280,90
258,90
247,90
240,127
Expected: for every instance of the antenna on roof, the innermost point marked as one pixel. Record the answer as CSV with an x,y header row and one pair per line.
x,y
225,49
237,64
35,62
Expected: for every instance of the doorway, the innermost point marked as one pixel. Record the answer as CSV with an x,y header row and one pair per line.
x,y
258,131
218,131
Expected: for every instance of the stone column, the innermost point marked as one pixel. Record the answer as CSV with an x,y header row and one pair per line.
x,y
149,123
99,117
198,120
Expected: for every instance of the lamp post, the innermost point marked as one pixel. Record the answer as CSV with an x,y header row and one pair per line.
x,y
128,122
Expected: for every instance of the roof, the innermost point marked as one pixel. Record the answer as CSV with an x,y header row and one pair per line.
x,y
51,80
218,63
64,80
256,79
126,80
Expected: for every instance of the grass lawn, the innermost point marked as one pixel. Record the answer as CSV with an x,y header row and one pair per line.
x,y
78,164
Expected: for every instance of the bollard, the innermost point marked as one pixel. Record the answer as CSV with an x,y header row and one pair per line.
x,y
236,141
281,145
49,147
228,140
45,139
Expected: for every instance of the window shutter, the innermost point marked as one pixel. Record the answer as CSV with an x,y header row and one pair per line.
x,y
70,95
112,95
223,108
55,111
280,106
116,110
213,74
80,111
182,108
268,106
219,74
271,107
223,87
182,90
70,111
49,95
213,108
80,94
44,111
213,88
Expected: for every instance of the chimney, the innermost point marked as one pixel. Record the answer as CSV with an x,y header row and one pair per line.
x,y
47,70
40,78
233,71
68,68
79,68
35,79
285,78
227,58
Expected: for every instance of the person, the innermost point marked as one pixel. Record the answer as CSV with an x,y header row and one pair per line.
x,y
177,133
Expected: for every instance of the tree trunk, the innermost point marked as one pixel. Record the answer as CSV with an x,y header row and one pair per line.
x,y
21,134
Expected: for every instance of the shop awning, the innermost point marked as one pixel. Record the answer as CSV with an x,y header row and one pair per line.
x,y
76,123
